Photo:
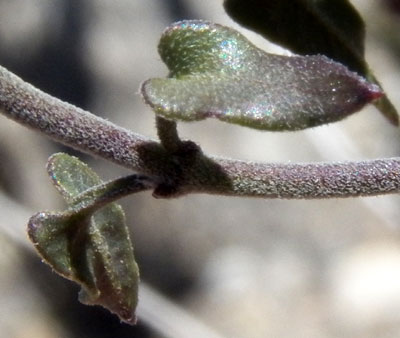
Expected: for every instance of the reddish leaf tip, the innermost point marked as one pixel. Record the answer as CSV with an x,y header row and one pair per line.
x,y
373,92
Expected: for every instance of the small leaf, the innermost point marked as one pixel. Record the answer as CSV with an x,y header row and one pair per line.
x,y
49,233
216,72
306,27
70,176
92,249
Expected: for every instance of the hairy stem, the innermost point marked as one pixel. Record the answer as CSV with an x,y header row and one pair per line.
x,y
66,123
168,134
191,171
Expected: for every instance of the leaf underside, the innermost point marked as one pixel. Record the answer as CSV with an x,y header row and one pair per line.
x,y
93,250
216,72
307,27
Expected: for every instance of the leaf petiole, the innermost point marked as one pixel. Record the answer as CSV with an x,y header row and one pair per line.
x,y
98,196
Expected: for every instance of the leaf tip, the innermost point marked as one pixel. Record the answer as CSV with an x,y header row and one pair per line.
x,y
373,92
128,317
33,225
122,307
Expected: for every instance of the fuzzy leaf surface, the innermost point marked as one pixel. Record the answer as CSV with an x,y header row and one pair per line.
x,y
217,72
92,249
307,27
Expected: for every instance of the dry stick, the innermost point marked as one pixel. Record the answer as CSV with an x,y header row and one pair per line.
x,y
193,172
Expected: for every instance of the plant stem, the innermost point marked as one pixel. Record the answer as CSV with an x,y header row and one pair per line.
x,y
66,123
100,195
313,180
88,133
168,134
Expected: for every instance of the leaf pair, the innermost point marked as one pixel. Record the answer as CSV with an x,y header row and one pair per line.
x,y
89,246
216,72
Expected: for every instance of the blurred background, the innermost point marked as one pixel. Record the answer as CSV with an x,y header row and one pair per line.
x,y
210,266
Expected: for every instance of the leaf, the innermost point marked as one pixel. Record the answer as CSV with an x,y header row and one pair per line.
x,y
306,27
70,176
92,249
216,72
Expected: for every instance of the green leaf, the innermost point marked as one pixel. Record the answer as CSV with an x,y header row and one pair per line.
x,y
70,176
306,27
90,247
216,72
